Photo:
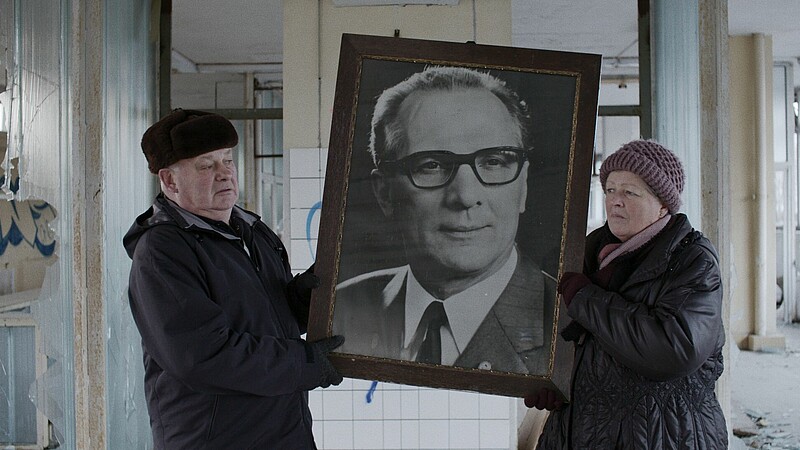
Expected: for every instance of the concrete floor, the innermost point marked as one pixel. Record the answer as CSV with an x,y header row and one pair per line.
x,y
765,395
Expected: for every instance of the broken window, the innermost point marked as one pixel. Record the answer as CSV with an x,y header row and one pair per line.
x,y
29,88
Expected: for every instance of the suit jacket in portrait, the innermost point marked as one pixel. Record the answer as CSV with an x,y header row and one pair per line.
x,y
515,336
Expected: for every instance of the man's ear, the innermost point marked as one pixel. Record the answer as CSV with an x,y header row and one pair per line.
x,y
167,178
382,188
523,178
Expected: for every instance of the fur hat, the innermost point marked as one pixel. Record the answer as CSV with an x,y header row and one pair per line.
x,y
186,133
654,164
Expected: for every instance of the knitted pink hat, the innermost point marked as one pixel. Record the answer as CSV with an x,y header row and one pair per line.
x,y
654,164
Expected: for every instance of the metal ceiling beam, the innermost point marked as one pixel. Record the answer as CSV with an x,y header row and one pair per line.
x,y
620,110
249,114
645,72
165,59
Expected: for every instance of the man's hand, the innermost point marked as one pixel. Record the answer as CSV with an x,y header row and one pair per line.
x,y
302,284
319,353
299,292
544,399
569,285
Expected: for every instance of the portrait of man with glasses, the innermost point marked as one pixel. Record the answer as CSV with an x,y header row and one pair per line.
x,y
451,159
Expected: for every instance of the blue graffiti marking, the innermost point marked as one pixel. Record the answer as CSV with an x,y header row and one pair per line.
x,y
27,221
14,237
13,181
37,210
371,391
314,209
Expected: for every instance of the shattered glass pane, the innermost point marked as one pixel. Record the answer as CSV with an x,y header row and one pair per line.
x,y
33,34
17,374
130,87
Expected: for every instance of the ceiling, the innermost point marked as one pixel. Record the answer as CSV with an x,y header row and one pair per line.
x,y
247,35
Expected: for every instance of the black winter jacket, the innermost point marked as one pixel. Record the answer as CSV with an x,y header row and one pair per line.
x,y
646,365
225,366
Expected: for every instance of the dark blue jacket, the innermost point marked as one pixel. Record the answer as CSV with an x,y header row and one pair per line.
x,y
225,366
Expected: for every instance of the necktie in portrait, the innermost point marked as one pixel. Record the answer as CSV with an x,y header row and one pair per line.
x,y
433,319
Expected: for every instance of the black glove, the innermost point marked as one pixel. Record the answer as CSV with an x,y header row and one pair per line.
x,y
544,399
299,293
573,332
569,285
318,352
303,283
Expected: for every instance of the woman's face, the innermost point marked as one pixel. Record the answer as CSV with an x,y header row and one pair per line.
x,y
631,206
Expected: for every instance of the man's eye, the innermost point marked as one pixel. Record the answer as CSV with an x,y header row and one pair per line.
x,y
428,165
495,162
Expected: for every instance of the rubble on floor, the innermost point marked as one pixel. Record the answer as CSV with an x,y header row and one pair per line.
x,y
766,432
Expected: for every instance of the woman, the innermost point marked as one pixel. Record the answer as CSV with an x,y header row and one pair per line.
x,y
647,323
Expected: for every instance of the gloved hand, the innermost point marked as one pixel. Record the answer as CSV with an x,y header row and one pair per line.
x,y
544,399
302,284
569,285
317,351
299,292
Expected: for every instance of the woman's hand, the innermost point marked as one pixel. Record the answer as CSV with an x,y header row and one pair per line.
x,y
544,399
569,285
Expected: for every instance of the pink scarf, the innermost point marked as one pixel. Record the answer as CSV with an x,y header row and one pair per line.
x,y
612,251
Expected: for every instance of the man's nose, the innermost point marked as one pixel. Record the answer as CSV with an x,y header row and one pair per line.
x,y
466,190
224,171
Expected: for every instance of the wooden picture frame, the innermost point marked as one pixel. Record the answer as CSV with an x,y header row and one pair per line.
x,y
367,238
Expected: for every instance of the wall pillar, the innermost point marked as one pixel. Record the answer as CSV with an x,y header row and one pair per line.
x,y
714,153
86,108
690,116
764,336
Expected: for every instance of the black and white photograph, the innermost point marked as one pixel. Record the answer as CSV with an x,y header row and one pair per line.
x,y
454,221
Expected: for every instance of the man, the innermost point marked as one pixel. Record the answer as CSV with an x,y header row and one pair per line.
x,y
451,170
213,298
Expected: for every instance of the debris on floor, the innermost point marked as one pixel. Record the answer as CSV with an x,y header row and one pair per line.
x,y
763,431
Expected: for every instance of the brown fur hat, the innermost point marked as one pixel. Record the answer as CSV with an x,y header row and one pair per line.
x,y
186,133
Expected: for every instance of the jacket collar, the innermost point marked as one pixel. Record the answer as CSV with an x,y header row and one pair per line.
x,y
166,210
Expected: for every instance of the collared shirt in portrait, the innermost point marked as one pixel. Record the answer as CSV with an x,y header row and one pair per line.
x,y
465,311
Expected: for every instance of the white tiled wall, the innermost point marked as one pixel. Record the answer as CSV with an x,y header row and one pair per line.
x,y
306,167
408,417
393,416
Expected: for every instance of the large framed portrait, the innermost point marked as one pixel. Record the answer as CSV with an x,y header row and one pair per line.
x,y
455,195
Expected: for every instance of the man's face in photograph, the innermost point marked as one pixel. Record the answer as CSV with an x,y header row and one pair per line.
x,y
464,228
